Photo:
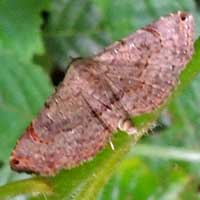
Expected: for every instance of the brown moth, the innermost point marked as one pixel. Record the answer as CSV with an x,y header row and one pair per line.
x,y
100,93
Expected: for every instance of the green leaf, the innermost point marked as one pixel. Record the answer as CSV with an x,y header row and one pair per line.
x,y
136,179
72,31
120,18
19,27
29,187
127,179
169,153
24,86
23,89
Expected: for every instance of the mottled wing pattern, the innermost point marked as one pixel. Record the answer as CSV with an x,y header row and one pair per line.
x,y
132,76
74,125
145,66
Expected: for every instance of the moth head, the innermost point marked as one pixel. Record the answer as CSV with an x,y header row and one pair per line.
x,y
186,31
177,35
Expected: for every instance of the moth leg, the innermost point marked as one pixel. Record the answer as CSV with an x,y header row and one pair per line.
x,y
127,126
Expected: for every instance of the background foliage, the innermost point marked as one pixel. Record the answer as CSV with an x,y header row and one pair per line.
x,y
37,41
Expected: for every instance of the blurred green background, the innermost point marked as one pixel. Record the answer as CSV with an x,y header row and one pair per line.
x,y
38,39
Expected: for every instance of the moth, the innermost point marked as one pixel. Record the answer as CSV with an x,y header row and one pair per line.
x,y
99,94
